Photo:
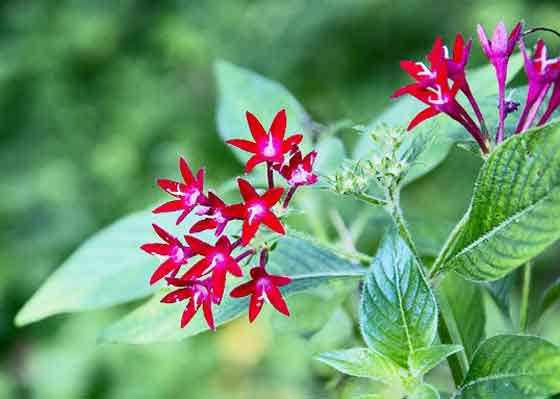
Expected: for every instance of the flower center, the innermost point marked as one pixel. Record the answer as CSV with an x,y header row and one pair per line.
x,y
425,71
190,198
218,216
177,254
255,212
262,286
270,149
299,175
439,98
217,260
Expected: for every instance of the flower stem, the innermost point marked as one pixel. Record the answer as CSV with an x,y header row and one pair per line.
x,y
242,256
535,108
289,197
369,199
270,174
525,294
447,247
501,75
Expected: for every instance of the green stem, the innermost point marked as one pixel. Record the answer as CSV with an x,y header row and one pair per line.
x,y
448,247
369,199
525,293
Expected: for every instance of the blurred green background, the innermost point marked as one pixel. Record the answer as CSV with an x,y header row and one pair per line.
x,y
97,99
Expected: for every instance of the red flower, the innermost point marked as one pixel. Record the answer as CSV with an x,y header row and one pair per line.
x,y
199,294
177,254
217,259
189,194
255,210
299,171
267,147
215,219
263,287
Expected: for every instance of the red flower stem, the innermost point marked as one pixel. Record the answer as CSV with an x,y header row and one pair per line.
x,y
236,244
464,119
263,258
289,197
476,109
545,116
242,256
270,174
534,109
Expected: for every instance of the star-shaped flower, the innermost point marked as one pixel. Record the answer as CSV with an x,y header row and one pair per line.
x,y
199,293
263,287
298,171
256,210
177,254
267,147
216,260
214,216
189,194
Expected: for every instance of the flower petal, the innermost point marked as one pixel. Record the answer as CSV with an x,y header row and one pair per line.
x,y
252,162
173,188
290,141
280,281
275,297
243,290
272,196
223,244
198,246
156,249
200,179
219,282
177,295
199,269
257,130
188,313
207,309
233,267
255,306
186,171
422,116
236,211
248,232
163,270
245,145
246,189
272,221
171,206
458,48
206,224
278,126
164,235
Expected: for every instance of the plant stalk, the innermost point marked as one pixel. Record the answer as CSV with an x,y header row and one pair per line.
x,y
525,294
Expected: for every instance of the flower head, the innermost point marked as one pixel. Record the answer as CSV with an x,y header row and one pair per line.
x,y
189,194
216,260
176,253
256,210
214,216
199,293
298,171
263,287
267,147
501,46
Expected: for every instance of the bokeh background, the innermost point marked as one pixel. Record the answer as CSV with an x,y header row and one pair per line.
x,y
98,98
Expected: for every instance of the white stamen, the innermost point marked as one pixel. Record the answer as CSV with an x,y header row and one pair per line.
x,y
254,211
216,260
263,296
438,99
269,150
300,175
445,52
425,71
544,61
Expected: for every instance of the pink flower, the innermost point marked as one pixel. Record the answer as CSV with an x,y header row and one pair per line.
x,y
199,293
189,194
267,147
215,218
541,73
263,287
498,50
298,171
177,254
256,210
216,259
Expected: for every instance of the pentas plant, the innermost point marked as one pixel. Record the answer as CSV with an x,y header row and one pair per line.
x,y
202,281
438,84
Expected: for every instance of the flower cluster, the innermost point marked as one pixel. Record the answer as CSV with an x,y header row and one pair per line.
x,y
438,84
203,282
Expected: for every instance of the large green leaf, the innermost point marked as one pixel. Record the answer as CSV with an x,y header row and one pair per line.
x,y
398,312
423,360
466,319
513,213
362,362
108,269
513,367
309,265
550,298
241,90
443,129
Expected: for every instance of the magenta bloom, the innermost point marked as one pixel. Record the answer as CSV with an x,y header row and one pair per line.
x,y
267,147
177,254
541,73
298,171
553,103
255,211
189,194
498,50
217,260
214,217
199,293
263,287
441,98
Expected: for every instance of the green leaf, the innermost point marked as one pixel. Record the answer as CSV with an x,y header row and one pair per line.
x,y
513,367
330,155
108,269
362,362
550,298
442,129
309,265
423,391
241,90
500,291
398,312
466,306
513,214
423,360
